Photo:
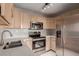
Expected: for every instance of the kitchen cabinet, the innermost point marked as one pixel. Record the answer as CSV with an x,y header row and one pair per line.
x,y
17,18
53,43
50,43
37,18
3,21
47,43
7,10
29,42
25,20
49,24
7,13
59,21
12,14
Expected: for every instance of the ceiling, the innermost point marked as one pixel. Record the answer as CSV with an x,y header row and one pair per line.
x,y
54,9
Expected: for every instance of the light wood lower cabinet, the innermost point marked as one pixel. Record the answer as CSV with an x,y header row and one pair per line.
x,y
29,43
50,43
47,43
53,44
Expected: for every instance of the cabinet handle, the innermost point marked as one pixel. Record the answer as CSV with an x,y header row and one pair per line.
x,y
12,12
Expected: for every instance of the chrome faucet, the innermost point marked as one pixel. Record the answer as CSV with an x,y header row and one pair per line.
x,y
2,41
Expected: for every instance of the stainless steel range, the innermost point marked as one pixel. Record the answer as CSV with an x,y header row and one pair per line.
x,y
38,40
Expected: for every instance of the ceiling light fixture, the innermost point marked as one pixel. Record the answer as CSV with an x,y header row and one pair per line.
x,y
46,5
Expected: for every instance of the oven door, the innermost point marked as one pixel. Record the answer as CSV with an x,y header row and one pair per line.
x,y
38,44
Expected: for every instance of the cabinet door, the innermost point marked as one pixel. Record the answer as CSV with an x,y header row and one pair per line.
x,y
6,10
50,24
47,43
53,43
17,18
25,20
7,13
29,43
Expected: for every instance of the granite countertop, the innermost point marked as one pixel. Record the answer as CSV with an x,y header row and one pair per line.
x,y
51,36
17,38
23,50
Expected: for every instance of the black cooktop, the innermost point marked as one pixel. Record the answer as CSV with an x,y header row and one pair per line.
x,y
38,37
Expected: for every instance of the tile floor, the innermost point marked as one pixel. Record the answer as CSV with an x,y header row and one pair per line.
x,y
49,53
67,52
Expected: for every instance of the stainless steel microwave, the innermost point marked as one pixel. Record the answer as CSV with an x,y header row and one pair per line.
x,y
36,25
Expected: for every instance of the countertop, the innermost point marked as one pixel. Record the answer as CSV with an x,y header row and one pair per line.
x,y
52,36
18,51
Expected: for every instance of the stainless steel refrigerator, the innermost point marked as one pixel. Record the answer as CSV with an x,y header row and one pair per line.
x,y
67,36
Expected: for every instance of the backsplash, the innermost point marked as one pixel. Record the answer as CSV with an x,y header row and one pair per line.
x,y
19,33
23,33
50,32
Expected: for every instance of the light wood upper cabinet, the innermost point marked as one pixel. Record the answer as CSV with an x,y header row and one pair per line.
x,y
49,24
17,15
7,13
11,14
25,20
